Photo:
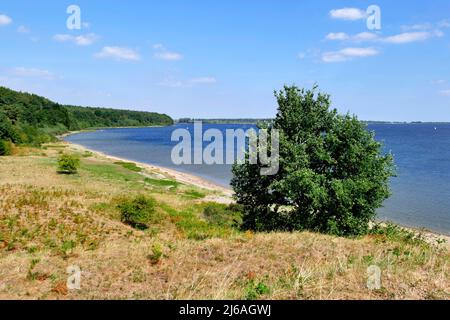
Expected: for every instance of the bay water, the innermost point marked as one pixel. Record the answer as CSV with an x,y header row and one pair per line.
x,y
421,190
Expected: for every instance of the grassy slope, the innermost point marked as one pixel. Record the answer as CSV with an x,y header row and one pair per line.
x,y
50,221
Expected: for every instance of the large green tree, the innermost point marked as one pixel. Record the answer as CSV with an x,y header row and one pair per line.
x,y
333,174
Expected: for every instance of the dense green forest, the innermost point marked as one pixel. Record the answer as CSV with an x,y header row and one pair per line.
x,y
31,119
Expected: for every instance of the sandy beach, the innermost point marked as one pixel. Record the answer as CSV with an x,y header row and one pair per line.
x,y
224,195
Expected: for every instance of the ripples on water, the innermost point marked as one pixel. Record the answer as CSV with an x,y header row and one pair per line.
x,y
421,191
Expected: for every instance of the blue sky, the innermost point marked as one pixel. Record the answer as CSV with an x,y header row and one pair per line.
x,y
216,59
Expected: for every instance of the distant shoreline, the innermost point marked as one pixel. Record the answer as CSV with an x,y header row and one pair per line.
x,y
70,133
177,175
255,121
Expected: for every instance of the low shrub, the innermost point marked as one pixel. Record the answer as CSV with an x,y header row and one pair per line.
x,y
396,233
156,255
255,290
68,164
137,212
223,215
192,224
5,148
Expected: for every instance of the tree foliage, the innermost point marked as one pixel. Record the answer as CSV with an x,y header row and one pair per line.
x,y
5,148
31,119
68,164
137,212
333,174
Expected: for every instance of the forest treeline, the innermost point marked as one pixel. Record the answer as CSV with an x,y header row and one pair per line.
x,y
31,119
225,121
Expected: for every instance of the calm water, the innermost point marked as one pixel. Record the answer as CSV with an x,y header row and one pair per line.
x,y
421,191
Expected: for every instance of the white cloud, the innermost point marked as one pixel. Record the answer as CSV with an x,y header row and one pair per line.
x,y
365,36
360,37
445,93
81,40
438,33
62,37
163,54
348,14
169,56
176,83
423,26
203,80
402,38
86,25
5,20
118,53
337,36
33,73
86,40
172,83
301,55
408,37
433,29
444,24
23,29
437,82
348,54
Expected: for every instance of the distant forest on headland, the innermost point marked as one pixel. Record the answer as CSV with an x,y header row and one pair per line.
x,y
31,119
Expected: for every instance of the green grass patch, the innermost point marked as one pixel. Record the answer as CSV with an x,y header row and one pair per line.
x,y
110,172
255,290
67,246
223,215
194,194
395,233
55,146
162,182
100,207
87,154
129,165
191,223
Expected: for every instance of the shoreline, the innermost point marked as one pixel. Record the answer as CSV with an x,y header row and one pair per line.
x,y
180,176
61,136
226,194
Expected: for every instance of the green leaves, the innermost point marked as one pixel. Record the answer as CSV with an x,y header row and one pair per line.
x,y
68,164
5,148
332,173
137,212
31,119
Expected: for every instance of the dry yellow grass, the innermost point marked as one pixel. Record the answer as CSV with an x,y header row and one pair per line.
x,y
49,222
